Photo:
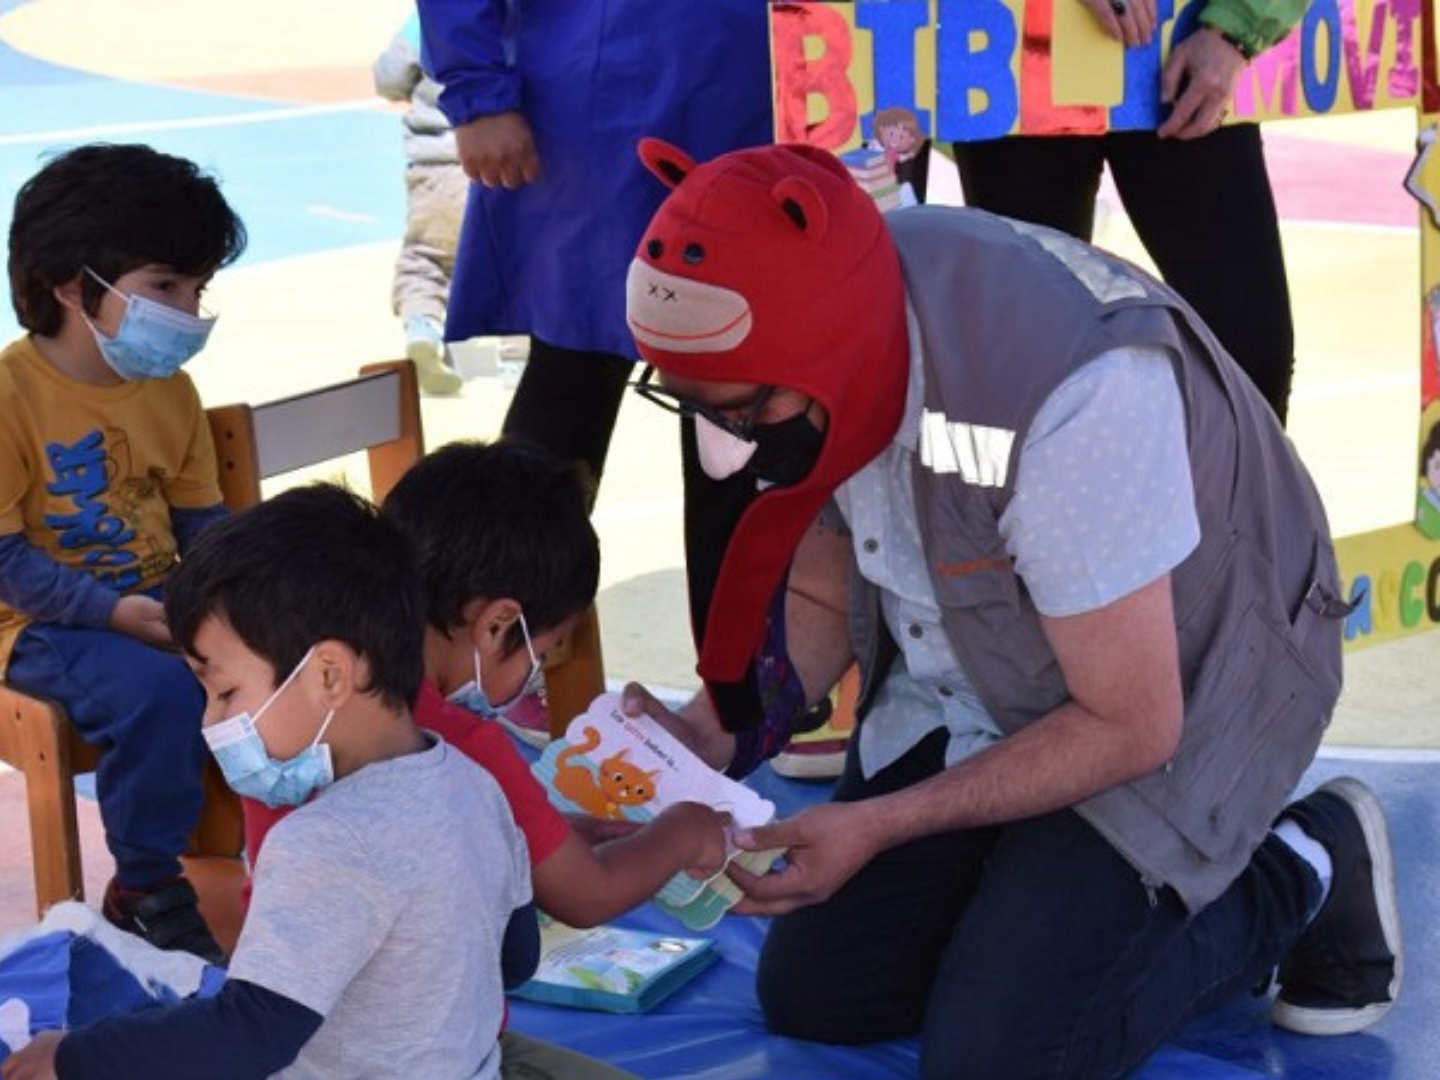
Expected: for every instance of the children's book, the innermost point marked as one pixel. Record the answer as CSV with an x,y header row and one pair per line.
x,y
624,768
611,968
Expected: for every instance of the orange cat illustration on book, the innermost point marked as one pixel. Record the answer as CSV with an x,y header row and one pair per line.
x,y
620,783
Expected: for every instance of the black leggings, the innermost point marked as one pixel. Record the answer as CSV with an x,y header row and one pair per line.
x,y
1203,209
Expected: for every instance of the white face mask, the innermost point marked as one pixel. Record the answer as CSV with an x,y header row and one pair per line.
x,y
721,454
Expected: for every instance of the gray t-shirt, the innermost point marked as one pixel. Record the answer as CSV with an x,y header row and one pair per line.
x,y
382,906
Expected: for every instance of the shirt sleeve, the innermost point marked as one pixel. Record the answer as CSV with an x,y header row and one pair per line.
x,y
197,484
189,524
1104,502
32,582
465,52
242,1032
520,950
1255,24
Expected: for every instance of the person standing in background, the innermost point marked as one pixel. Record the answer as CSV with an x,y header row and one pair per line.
x,y
435,187
1197,192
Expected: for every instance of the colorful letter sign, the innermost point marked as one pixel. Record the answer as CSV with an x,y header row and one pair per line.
x,y
984,69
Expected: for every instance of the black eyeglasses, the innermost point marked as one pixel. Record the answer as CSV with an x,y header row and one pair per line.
x,y
682,406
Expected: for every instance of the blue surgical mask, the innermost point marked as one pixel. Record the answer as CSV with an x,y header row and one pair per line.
x,y
472,697
154,340
251,771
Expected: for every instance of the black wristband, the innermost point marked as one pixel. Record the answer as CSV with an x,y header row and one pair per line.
x,y
1238,45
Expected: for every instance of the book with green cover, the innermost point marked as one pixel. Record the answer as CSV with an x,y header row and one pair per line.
x,y
612,968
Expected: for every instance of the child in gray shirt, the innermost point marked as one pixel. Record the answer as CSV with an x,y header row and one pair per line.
x,y
378,929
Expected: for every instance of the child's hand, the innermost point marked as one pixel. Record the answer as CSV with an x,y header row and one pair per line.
x,y
709,831
143,618
36,1061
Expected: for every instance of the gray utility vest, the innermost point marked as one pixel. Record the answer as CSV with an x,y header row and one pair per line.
x,y
1006,313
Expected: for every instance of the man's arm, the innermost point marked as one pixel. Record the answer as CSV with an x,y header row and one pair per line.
x,y
1122,720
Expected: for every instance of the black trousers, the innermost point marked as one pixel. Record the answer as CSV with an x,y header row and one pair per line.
x,y
567,403
1023,951
1203,208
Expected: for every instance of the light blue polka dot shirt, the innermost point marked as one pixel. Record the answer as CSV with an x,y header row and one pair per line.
x,y
1103,505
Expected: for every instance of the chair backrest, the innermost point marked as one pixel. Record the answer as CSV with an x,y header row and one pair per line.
x,y
378,412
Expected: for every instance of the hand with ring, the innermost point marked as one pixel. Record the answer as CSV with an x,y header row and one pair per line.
x,y
1131,22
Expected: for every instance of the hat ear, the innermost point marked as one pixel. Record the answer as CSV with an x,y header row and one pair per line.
x,y
802,204
669,163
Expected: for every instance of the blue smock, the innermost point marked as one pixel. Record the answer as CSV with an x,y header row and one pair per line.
x,y
592,78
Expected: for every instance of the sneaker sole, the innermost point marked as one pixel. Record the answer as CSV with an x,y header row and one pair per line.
x,y
1371,814
814,764
434,374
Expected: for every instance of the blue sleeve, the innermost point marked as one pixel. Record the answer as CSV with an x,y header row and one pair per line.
x,y
189,524
245,1032
520,952
465,52
34,583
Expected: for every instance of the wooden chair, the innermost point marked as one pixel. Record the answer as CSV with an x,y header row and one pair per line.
x,y
378,412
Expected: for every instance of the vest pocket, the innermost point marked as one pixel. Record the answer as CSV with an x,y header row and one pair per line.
x,y
1253,721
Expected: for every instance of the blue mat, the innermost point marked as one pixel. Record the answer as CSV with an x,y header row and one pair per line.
x,y
712,1029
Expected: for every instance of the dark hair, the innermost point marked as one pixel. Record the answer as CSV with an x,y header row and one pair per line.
x,y
311,563
113,208
498,520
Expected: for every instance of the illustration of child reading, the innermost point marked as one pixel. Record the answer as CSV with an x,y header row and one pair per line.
x,y
1427,504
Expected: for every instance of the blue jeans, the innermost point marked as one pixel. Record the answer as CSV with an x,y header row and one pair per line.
x,y
1025,950
143,706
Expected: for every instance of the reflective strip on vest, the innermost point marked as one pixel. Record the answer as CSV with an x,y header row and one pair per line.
x,y
980,454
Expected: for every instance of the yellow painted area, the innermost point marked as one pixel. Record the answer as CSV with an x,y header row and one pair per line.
x,y
183,40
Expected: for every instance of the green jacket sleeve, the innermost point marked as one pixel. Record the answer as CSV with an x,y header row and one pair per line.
x,y
1254,25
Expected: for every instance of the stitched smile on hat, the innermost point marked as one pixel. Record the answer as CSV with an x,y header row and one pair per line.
x,y
684,316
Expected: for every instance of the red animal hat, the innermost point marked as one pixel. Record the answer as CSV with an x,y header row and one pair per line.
x,y
771,266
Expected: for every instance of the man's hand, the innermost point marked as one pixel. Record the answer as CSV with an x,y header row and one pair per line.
x,y
142,618
1198,82
36,1061
1131,22
498,150
826,845
695,725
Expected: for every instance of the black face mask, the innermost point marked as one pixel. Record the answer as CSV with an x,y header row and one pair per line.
x,y
785,452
